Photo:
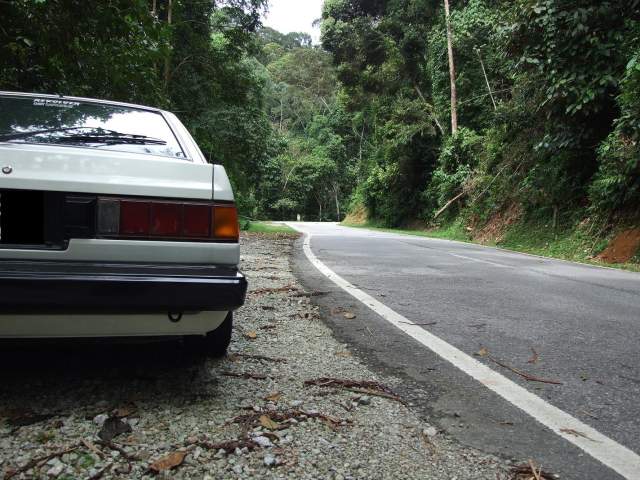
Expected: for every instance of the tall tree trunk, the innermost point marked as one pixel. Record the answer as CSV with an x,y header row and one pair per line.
x,y
167,61
336,189
452,71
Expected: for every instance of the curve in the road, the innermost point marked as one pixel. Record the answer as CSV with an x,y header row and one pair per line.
x,y
610,453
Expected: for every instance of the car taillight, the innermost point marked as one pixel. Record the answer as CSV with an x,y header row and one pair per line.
x,y
225,222
132,218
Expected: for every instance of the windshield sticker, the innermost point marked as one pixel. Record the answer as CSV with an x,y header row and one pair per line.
x,y
47,102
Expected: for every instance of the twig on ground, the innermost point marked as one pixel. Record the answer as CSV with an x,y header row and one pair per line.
x,y
38,461
420,324
245,375
258,357
576,433
89,444
526,376
376,393
310,294
536,473
527,471
534,358
366,386
118,448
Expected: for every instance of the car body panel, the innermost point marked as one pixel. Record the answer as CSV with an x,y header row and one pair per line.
x,y
107,325
76,169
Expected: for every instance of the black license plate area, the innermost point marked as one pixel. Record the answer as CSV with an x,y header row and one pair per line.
x,y
21,217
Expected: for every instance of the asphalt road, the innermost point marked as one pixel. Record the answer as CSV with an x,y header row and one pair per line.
x,y
583,323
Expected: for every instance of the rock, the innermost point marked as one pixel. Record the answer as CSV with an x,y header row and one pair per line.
x,y
430,431
296,403
264,442
364,400
56,470
238,469
270,460
100,419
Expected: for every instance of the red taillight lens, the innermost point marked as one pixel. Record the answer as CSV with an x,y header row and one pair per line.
x,y
119,218
135,217
225,222
197,221
166,219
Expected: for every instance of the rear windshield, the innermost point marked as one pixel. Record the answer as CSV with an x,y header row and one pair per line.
x,y
86,124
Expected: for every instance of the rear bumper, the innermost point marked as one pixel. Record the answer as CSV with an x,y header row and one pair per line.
x,y
31,287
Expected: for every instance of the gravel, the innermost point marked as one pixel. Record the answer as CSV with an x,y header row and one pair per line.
x,y
55,399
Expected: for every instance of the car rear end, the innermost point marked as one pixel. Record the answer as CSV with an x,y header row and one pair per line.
x,y
111,223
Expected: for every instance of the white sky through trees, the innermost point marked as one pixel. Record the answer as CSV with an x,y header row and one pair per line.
x,y
294,16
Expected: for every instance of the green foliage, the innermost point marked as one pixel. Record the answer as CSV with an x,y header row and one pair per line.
x,y
102,49
458,158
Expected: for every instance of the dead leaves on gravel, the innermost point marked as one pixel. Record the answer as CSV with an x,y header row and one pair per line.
x,y
168,462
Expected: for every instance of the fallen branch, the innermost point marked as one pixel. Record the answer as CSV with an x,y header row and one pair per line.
x,y
449,203
368,385
245,375
39,461
526,376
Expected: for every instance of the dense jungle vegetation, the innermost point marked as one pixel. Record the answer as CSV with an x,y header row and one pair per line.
x,y
547,107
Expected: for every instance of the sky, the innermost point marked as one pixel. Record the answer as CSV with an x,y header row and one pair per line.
x,y
294,16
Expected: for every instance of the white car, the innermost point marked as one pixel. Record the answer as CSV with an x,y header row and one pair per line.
x,y
112,224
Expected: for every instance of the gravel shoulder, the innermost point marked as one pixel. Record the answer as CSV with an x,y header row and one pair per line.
x,y
161,412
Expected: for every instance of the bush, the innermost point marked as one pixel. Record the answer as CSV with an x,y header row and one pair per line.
x,y
458,159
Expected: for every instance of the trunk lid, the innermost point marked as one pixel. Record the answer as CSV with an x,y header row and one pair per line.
x,y
85,170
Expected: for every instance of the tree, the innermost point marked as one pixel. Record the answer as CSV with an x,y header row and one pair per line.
x,y
452,70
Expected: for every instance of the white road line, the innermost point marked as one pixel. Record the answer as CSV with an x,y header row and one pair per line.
x,y
501,265
610,453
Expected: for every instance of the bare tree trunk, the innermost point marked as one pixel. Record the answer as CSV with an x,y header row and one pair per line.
x,y
281,112
486,79
154,9
452,71
167,61
336,188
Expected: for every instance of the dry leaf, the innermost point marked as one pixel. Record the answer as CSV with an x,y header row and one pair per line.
x,y
267,423
344,354
349,315
273,397
252,335
168,462
483,352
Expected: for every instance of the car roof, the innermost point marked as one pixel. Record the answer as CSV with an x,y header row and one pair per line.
x,y
79,99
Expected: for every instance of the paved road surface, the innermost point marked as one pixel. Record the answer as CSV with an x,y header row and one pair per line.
x,y
583,323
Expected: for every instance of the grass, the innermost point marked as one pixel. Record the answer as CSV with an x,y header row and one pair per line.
x,y
573,244
266,227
